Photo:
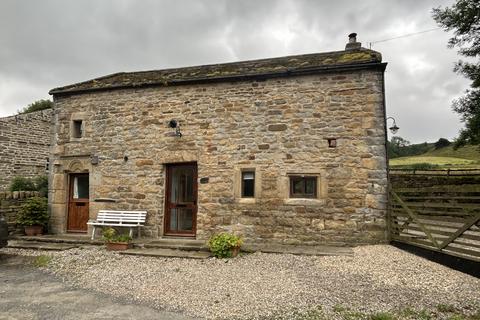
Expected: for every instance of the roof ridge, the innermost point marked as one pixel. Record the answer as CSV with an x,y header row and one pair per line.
x,y
228,70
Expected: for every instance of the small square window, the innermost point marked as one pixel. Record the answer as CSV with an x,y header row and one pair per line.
x,y
77,129
332,142
248,184
303,187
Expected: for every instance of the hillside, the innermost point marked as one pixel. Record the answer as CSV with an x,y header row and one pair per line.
x,y
467,152
447,157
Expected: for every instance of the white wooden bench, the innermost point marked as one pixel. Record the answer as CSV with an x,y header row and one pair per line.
x,y
118,218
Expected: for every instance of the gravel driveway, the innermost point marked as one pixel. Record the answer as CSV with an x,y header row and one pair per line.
x,y
27,293
378,278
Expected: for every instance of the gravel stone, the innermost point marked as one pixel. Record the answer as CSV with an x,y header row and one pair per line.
x,y
377,278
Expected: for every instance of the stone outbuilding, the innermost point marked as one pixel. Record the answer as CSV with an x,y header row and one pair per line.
x,y
284,150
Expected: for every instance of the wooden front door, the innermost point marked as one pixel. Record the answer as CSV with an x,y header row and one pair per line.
x,y
181,200
78,203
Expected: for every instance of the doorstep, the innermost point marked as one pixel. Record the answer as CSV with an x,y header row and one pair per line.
x,y
177,244
60,238
38,245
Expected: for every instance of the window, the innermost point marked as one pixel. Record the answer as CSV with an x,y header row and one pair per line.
x,y
248,184
303,187
77,129
80,187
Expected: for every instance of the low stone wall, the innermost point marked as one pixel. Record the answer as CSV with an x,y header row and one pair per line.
x,y
10,203
428,180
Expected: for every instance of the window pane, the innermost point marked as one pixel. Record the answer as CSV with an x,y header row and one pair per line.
x,y
248,175
297,184
80,187
77,129
173,219
181,219
185,219
303,187
182,185
248,184
310,185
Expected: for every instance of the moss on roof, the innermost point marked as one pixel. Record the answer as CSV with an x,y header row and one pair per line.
x,y
265,67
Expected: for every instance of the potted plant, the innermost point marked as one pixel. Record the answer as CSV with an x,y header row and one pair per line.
x,y
225,245
115,241
33,215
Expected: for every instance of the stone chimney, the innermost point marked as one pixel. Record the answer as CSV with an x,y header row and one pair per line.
x,y
352,42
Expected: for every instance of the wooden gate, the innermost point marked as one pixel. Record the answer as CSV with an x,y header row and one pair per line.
x,y
444,218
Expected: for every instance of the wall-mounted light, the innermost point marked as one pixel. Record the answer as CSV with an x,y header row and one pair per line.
x,y
393,128
94,159
175,125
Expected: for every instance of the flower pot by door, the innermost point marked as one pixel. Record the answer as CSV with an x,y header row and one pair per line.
x,y
117,246
235,251
33,230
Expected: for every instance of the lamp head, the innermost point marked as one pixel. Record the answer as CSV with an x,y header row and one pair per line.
x,y
394,128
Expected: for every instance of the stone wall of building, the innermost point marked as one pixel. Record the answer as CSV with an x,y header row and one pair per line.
x,y
278,127
24,145
10,203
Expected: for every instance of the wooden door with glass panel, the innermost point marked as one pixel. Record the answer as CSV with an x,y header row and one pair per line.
x,y
181,200
78,203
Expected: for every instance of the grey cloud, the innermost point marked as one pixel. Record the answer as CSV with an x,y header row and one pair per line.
x,y
44,44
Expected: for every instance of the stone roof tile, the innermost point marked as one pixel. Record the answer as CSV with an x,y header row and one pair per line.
x,y
227,71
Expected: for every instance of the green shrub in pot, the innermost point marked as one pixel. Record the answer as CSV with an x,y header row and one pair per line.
x,y
33,215
225,245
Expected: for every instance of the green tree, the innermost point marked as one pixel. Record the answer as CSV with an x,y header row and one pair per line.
x,y
442,143
396,146
463,18
37,106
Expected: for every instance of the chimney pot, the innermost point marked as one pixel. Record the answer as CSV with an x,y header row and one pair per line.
x,y
352,37
352,42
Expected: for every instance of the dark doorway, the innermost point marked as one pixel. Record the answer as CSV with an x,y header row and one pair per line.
x,y
181,200
78,203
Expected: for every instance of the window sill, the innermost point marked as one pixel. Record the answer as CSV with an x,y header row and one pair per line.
x,y
246,200
304,201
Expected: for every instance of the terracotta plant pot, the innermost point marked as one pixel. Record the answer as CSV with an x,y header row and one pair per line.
x,y
33,230
117,246
235,251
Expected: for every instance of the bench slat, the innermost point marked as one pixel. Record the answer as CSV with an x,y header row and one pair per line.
x,y
115,225
121,212
121,217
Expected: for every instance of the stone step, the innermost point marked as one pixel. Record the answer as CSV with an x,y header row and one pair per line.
x,y
71,239
177,244
38,245
166,253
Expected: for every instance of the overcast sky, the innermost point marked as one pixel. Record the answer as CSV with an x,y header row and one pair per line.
x,y
46,44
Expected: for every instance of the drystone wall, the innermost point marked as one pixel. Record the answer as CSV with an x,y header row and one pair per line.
x,y
10,203
277,127
24,145
430,180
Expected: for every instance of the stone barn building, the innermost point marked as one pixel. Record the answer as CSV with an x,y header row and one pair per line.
x,y
285,150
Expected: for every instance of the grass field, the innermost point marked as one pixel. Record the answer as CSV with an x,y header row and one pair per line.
x,y
467,157
437,161
467,152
